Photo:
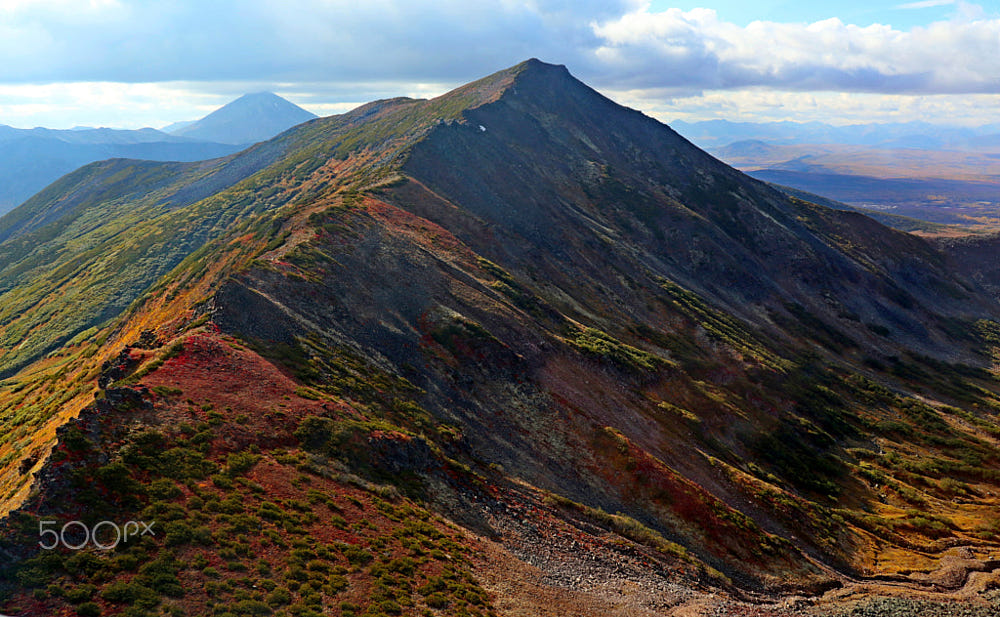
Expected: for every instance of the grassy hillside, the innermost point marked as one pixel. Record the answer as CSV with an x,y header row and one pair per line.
x,y
514,333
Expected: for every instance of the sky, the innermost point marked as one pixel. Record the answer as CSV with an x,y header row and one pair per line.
x,y
136,63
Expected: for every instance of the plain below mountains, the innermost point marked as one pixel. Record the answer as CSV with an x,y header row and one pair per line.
x,y
31,159
953,187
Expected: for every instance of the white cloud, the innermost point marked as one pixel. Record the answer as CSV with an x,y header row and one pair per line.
x,y
59,40
125,105
695,49
337,52
623,43
101,104
768,105
925,4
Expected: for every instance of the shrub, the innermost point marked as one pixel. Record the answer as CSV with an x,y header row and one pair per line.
x,y
88,609
222,481
241,462
79,594
596,343
279,597
163,489
437,600
131,593
250,607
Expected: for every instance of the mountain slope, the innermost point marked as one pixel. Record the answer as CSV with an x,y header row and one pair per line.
x,y
519,306
248,119
673,200
79,252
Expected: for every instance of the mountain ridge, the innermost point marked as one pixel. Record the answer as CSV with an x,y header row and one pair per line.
x,y
522,307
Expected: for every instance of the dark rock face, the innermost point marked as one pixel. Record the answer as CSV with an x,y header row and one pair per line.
x,y
978,258
402,453
241,309
575,187
119,367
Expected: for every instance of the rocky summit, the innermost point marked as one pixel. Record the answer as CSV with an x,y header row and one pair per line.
x,y
514,350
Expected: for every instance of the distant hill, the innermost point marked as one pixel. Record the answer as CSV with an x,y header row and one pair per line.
x,y
248,119
862,160
90,135
176,126
902,223
749,149
716,133
31,159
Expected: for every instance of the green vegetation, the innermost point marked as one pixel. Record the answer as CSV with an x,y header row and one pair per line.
x,y
396,551
917,521
593,342
115,241
518,294
129,222
718,324
799,453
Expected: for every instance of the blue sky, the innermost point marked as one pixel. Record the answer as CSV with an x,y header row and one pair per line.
x,y
132,63
902,14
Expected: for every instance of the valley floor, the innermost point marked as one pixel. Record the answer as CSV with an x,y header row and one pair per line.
x,y
547,567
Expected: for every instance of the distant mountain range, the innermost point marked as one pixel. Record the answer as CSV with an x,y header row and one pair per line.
x,y
715,133
31,159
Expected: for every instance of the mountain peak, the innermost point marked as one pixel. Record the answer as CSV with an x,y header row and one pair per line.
x,y
250,118
534,64
532,78
504,78
259,97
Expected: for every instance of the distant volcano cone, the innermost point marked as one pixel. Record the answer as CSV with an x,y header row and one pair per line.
x,y
248,119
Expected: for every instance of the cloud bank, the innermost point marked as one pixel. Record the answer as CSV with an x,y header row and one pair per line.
x,y
621,43
142,58
695,49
